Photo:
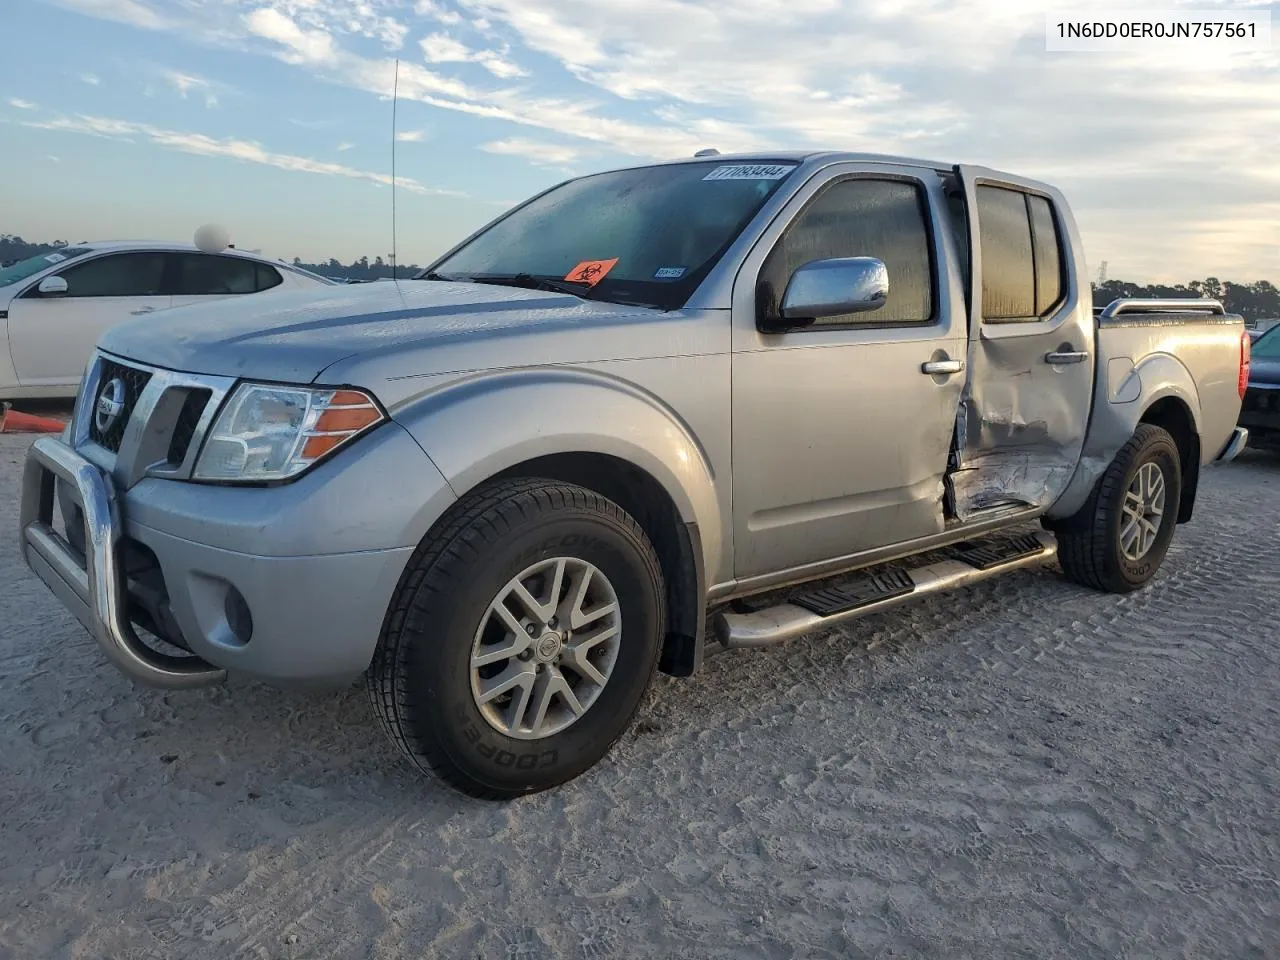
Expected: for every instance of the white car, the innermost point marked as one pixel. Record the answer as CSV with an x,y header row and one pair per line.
x,y
55,306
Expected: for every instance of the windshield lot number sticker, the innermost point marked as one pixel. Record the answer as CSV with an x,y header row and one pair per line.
x,y
591,272
750,171
669,273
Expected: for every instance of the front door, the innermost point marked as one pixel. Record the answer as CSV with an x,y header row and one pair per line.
x,y
840,437
1031,352
52,338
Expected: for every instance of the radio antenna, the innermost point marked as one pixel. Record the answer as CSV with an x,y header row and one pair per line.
x,y
395,95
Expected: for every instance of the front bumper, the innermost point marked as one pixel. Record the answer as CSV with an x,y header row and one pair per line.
x,y
286,614
93,590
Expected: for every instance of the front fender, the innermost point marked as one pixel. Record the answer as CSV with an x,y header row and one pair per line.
x,y
481,424
1122,396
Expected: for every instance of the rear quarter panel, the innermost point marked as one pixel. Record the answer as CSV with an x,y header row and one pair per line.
x,y
1145,359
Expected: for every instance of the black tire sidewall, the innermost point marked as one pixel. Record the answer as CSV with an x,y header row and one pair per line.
x,y
1160,449
438,661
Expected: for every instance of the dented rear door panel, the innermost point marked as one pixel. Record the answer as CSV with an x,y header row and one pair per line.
x,y
1024,412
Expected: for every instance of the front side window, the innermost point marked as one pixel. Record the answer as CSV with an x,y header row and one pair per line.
x,y
645,236
885,219
19,271
117,275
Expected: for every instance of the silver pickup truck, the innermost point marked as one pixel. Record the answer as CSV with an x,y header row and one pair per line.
x,y
647,415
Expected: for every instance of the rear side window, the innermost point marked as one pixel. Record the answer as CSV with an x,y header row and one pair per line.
x,y
885,219
1022,267
206,275
117,275
268,277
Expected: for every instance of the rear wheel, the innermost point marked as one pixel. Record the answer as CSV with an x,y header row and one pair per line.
x,y
1119,538
522,638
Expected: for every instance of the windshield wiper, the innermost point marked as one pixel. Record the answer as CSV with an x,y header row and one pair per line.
x,y
528,281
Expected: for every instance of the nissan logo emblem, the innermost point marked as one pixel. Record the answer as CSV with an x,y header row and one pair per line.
x,y
110,405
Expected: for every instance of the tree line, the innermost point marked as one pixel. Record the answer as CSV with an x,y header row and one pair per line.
x,y
1254,301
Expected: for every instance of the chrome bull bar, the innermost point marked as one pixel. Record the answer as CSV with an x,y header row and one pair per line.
x,y
94,588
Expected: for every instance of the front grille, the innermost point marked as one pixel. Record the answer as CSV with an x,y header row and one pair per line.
x,y
185,427
135,381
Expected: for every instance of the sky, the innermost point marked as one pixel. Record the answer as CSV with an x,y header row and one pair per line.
x,y
126,119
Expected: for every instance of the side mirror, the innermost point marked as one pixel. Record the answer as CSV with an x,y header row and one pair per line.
x,y
829,288
52,287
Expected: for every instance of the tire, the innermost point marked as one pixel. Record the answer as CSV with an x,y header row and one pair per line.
x,y
424,686
1092,547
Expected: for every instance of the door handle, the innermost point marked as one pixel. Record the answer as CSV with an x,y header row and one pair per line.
x,y
935,368
141,310
1059,357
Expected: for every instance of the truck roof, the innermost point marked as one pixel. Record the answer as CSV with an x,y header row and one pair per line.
x,y
808,156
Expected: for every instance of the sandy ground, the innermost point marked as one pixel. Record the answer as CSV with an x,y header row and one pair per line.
x,y
1025,769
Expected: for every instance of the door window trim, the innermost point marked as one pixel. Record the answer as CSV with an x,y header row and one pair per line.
x,y
922,194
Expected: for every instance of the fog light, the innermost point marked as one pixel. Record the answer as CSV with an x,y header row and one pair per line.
x,y
239,620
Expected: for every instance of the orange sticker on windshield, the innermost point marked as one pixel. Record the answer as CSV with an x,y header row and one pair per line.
x,y
591,272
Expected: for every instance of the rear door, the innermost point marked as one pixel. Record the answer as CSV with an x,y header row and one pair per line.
x,y
1026,405
52,338
840,436
198,277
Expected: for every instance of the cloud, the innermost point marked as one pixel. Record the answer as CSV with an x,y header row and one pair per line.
x,y
185,83
442,48
231,148
22,104
1159,151
428,8
304,46
953,80
547,154
132,12
92,79
411,136
344,146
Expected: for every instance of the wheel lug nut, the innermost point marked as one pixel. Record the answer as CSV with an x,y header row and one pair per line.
x,y
533,630
553,623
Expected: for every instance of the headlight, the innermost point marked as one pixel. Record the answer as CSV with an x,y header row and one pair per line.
x,y
274,433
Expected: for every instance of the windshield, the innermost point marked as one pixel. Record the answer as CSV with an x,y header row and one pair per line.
x,y
646,236
1267,346
33,265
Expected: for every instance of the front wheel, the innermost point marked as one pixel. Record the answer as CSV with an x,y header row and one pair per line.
x,y
1119,538
521,640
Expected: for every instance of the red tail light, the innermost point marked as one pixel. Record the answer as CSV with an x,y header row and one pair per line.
x,y
1246,350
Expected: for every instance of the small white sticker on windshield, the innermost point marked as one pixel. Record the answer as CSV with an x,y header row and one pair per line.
x,y
751,171
55,258
669,273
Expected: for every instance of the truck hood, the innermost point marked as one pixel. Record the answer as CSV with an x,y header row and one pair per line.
x,y
294,336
